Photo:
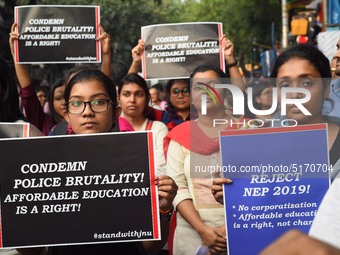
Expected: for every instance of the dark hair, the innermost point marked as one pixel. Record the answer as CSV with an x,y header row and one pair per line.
x,y
158,86
309,53
170,107
205,68
75,70
9,97
202,69
38,89
135,78
56,118
258,87
92,74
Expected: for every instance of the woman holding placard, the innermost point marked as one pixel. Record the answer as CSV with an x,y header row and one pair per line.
x,y
200,219
33,110
91,102
306,67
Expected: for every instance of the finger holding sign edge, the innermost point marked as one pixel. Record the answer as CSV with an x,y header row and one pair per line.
x,y
103,34
217,188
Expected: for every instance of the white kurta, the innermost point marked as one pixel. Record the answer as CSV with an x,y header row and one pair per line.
x,y
186,239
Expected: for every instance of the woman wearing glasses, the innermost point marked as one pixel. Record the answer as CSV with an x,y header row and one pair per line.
x,y
178,100
305,66
200,219
33,110
90,98
133,98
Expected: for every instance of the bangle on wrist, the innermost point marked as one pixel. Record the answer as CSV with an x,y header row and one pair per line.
x,y
235,63
166,215
166,212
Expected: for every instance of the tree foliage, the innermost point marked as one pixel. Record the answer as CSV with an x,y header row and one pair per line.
x,y
247,20
242,20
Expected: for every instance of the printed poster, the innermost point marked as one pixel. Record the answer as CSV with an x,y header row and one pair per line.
x,y
173,51
280,176
78,189
57,34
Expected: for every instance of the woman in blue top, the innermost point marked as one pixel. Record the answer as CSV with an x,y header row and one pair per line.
x,y
178,101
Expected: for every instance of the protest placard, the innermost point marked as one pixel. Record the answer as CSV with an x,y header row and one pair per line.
x,y
57,34
327,43
12,130
175,50
78,189
280,176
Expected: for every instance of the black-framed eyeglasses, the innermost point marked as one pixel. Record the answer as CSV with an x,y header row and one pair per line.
x,y
176,92
96,105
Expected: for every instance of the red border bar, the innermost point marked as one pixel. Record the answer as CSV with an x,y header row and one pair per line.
x,y
97,35
26,130
16,42
153,186
143,57
222,65
273,130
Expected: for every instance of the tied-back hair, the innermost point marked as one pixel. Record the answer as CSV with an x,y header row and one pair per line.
x,y
89,75
305,52
9,96
205,68
73,71
314,56
137,79
170,107
227,96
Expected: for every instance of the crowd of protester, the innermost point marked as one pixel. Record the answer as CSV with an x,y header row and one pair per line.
x,y
115,103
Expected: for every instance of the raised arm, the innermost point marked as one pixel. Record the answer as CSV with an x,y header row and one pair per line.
x,y
137,53
20,69
106,51
29,100
232,63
